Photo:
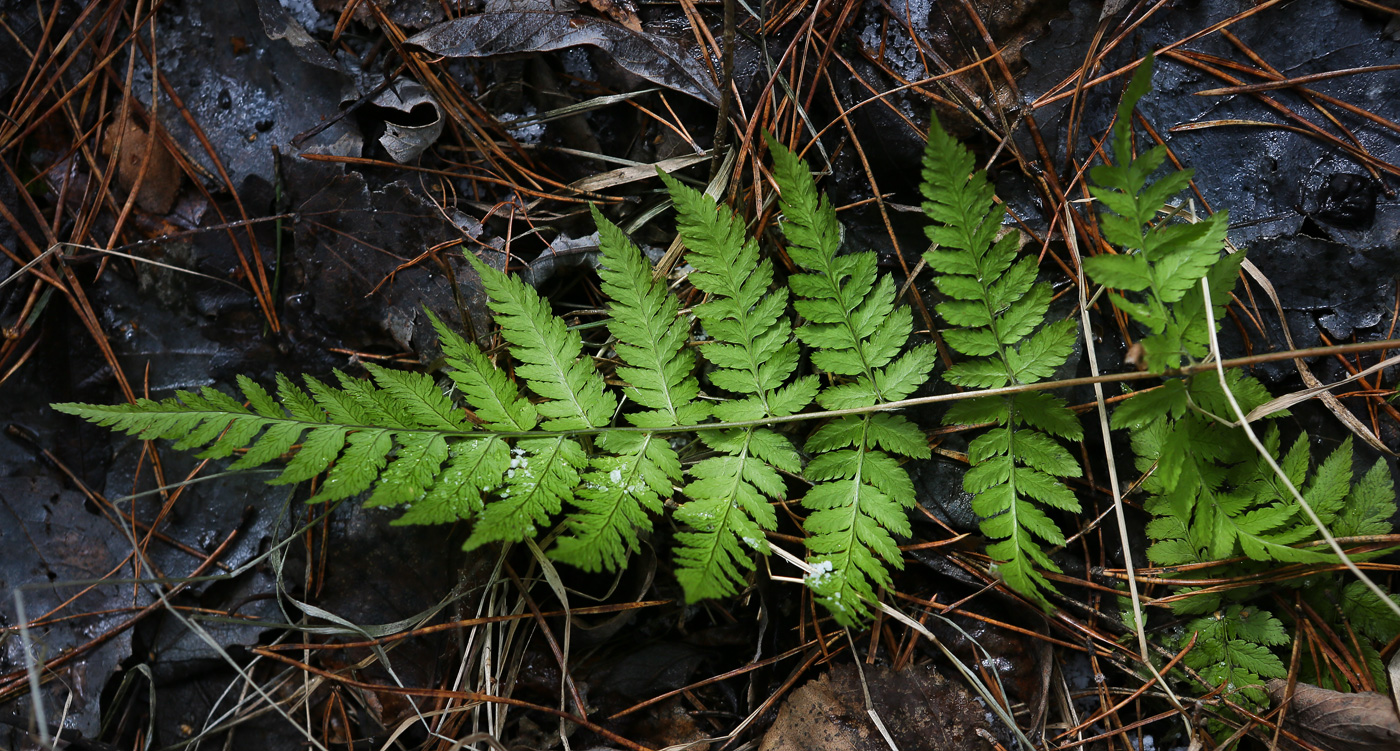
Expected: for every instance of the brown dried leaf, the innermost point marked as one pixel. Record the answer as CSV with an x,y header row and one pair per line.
x,y
655,58
921,710
160,184
1335,721
622,11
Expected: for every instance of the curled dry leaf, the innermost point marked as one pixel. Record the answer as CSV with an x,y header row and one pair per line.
x,y
655,58
1334,721
407,137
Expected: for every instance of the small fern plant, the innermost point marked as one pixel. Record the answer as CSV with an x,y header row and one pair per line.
x,y
996,315
1211,495
555,443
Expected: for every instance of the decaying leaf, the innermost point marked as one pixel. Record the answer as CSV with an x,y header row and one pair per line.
x,y
919,708
655,58
159,183
1335,721
407,137
622,11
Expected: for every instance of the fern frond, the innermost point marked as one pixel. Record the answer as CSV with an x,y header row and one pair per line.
x,y
624,489
729,509
540,478
493,397
545,473
755,355
1225,501
474,468
860,495
998,311
393,438
1370,505
651,335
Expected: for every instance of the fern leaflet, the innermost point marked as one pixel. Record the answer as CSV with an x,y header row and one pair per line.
x,y
623,489
1165,259
545,471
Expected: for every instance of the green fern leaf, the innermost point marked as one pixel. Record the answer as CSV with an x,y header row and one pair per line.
x,y
366,453
1120,272
1232,650
1369,506
495,400
551,355
860,495
623,490
617,500
755,355
413,470
420,397
1331,483
1166,401
651,335
475,467
317,452
544,476
1171,256
728,512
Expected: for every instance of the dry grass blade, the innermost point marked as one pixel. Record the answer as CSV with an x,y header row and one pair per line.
x,y
1311,381
1139,622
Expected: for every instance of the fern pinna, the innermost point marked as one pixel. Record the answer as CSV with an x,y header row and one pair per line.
x,y
996,310
1163,261
631,482
754,354
860,493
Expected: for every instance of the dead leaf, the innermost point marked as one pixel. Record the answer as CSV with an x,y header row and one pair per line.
x,y
921,710
278,23
622,11
655,58
669,725
1334,721
1392,670
160,183
406,141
